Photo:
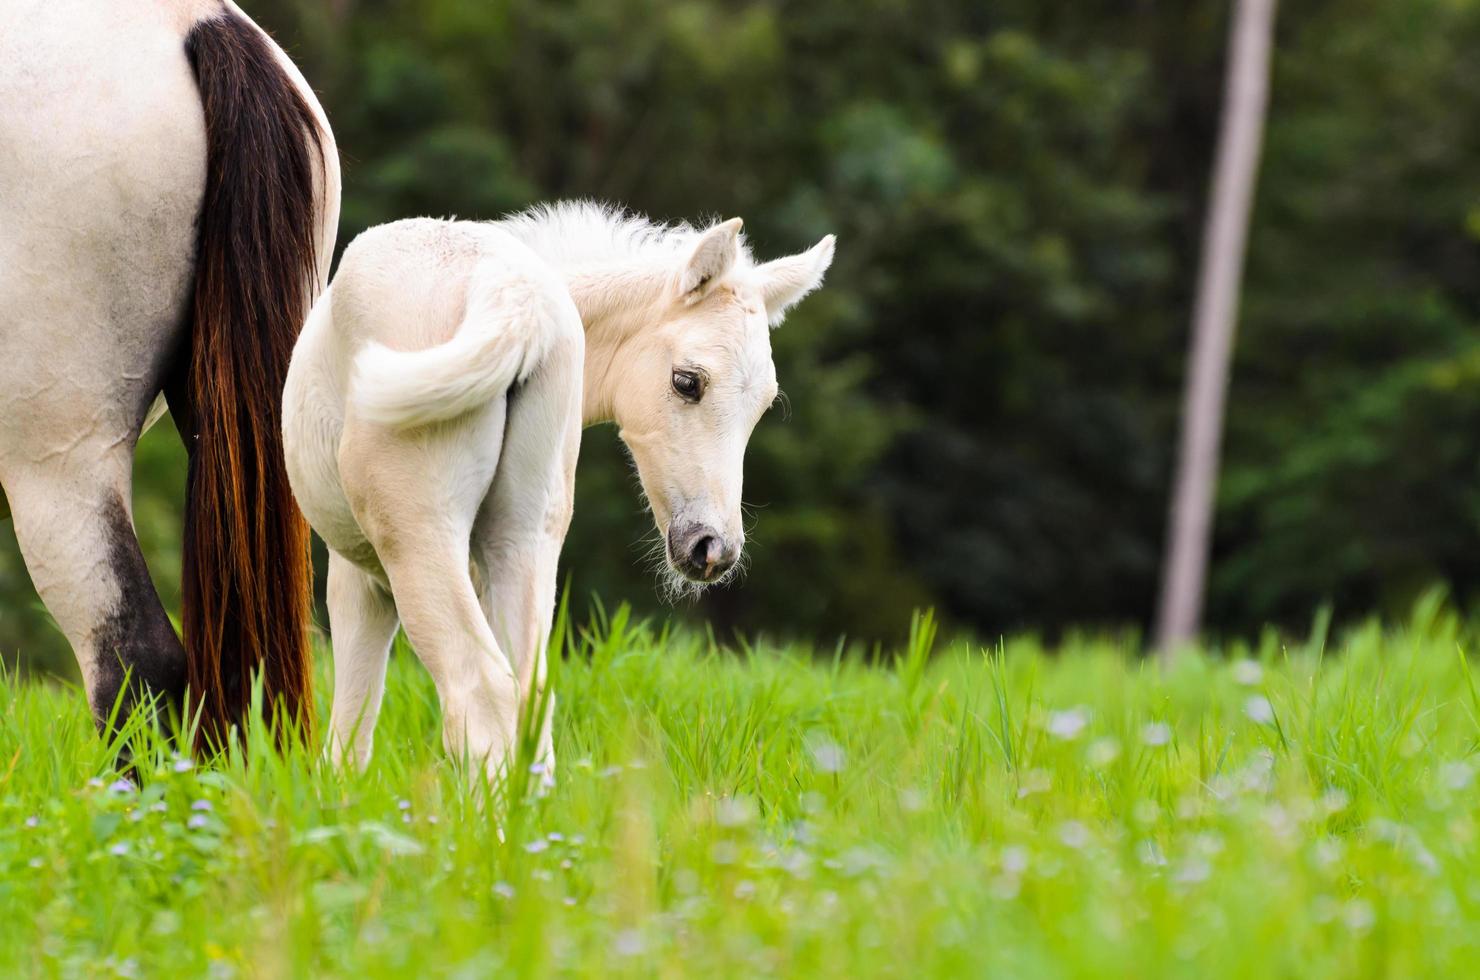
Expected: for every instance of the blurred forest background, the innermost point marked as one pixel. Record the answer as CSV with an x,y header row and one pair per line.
x,y
984,397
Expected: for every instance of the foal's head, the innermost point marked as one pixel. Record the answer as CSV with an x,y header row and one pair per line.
x,y
693,385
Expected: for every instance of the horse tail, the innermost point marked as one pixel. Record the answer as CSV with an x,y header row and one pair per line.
x,y
246,576
509,326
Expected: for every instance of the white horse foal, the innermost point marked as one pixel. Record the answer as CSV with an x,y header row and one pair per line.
x,y
432,420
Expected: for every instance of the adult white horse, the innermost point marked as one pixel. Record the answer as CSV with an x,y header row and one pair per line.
x,y
169,192
433,414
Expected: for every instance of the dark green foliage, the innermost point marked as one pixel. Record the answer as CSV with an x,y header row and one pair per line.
x,y
983,399
1354,451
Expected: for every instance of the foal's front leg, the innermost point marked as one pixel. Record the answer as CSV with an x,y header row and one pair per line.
x,y
363,619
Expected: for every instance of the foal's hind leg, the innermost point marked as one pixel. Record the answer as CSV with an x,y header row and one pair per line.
x,y
73,520
415,496
523,522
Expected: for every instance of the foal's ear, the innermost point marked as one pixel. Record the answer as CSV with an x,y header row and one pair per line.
x,y
785,281
713,255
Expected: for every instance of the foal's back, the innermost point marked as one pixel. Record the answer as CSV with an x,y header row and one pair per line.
x,y
405,284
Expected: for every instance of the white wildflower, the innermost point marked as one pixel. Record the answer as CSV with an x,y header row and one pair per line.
x,y
1247,672
1258,708
735,811
1103,751
1358,915
1035,781
1193,870
1068,724
1156,733
1149,853
1074,834
1456,775
827,755
1004,887
628,942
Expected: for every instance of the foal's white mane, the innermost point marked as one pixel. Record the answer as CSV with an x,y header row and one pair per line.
x,y
584,233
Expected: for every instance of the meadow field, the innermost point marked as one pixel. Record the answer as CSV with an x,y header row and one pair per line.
x,y
1285,808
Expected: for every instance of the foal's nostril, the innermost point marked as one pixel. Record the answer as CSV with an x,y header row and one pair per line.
x,y
705,553
700,553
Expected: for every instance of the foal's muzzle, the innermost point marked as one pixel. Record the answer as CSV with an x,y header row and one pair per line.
x,y
700,553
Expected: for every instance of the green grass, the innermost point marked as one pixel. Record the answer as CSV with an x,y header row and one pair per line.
x,y
1281,810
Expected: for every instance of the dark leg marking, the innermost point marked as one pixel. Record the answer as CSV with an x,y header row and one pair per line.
x,y
136,641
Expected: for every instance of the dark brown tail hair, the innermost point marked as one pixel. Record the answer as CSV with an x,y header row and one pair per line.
x,y
246,574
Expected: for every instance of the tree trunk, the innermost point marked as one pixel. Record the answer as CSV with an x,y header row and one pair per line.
x,y
1190,525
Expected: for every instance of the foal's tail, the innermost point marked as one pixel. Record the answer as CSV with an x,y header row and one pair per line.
x,y
511,322
258,266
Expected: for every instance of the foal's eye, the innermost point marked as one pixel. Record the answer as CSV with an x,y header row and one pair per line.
x,y
689,385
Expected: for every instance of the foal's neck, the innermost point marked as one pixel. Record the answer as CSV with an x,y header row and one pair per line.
x,y
621,275
616,303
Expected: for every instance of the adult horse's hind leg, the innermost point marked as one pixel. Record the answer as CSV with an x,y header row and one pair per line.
x,y
73,521
96,261
104,165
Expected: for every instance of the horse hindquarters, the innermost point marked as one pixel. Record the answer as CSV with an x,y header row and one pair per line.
x,y
102,176
98,241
